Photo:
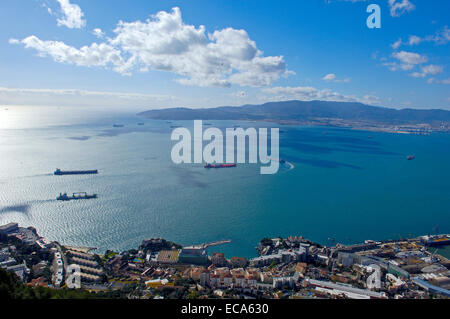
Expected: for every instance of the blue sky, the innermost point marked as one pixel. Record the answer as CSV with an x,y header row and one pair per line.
x,y
209,53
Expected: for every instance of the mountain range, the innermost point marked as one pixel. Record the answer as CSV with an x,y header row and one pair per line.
x,y
304,111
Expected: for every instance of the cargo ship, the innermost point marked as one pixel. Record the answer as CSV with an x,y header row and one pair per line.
x,y
60,172
75,196
436,240
219,165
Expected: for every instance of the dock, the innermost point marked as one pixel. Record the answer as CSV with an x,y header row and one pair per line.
x,y
206,245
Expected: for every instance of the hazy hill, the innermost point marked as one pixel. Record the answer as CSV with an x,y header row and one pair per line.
x,y
303,111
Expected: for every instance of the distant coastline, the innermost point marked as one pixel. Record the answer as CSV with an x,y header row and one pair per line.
x,y
355,116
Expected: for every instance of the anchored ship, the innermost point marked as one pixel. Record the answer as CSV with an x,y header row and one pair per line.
x,y
219,165
60,172
75,196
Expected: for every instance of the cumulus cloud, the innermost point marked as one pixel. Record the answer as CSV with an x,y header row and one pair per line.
x,y
100,55
428,70
309,93
72,16
331,77
399,7
165,43
406,60
410,57
440,37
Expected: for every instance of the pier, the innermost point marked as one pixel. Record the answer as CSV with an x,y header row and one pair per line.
x,y
206,245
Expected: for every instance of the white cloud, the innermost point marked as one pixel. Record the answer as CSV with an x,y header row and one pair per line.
x,y
165,43
72,16
225,57
413,40
399,7
407,60
433,80
410,57
45,5
308,93
331,77
396,44
75,97
432,69
98,33
418,75
427,70
100,55
440,37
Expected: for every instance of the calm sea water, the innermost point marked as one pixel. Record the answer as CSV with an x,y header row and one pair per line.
x,y
346,186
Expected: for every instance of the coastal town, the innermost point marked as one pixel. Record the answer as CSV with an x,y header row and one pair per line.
x,y
285,268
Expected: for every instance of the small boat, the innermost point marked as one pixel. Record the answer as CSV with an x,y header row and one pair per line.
x,y
140,123
410,157
118,125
